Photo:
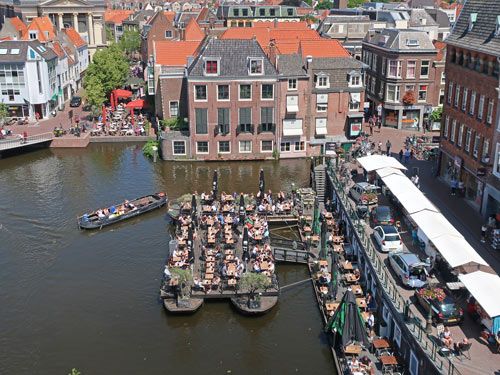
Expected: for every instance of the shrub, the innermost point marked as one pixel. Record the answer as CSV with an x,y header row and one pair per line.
x,y
147,149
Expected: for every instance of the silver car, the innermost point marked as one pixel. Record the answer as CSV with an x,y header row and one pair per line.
x,y
409,269
364,193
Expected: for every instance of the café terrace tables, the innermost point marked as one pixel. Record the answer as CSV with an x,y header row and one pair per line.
x,y
389,362
351,278
337,239
380,344
353,349
346,266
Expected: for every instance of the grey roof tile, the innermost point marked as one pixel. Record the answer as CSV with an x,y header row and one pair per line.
x,y
482,37
233,54
291,65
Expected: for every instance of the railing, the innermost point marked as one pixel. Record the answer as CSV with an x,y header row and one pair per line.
x,y
20,142
425,340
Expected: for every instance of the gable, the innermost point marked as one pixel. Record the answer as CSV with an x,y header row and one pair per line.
x,y
66,3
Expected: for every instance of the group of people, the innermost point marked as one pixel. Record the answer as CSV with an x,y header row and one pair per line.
x,y
115,211
363,366
263,255
258,228
5,132
447,341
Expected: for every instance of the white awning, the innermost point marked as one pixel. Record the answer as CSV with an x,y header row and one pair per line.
x,y
321,126
321,98
355,97
387,171
292,127
484,286
292,103
457,251
434,224
374,162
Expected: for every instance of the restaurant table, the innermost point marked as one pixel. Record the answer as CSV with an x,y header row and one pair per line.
x,y
332,306
338,248
181,242
361,302
352,349
365,316
356,289
264,266
346,266
323,263
210,222
207,282
380,344
323,289
307,228
209,276
229,257
176,259
210,270
231,282
389,362
173,282
328,215
184,227
229,252
210,259
309,218
337,239
350,278
315,238
330,222
207,208
211,240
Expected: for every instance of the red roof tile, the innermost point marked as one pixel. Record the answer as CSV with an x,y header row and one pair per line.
x,y
44,27
57,48
322,48
116,15
441,47
170,16
74,37
19,25
193,31
174,53
301,25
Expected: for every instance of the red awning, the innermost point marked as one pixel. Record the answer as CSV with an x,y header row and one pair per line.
x,y
139,103
119,93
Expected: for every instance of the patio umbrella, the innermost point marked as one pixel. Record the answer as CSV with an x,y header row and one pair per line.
x,y
215,185
261,182
246,254
242,208
324,233
139,103
193,208
190,241
120,93
334,270
316,226
347,321
104,115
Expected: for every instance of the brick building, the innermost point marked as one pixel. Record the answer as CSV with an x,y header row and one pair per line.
x,y
404,75
470,109
159,28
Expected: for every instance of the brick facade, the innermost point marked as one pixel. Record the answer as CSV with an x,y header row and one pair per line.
x,y
158,27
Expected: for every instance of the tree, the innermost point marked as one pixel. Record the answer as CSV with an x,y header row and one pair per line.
x,y
4,112
252,282
110,37
436,115
355,3
309,17
409,98
185,279
130,41
324,4
74,372
109,70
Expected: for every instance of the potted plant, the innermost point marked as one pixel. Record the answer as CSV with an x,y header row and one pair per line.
x,y
184,282
383,330
251,282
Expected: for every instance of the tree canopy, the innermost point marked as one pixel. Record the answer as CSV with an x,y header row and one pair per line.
x,y
130,41
109,70
324,4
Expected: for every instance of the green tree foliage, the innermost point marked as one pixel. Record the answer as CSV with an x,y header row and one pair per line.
x,y
324,4
355,3
109,70
176,123
185,278
4,111
110,37
436,115
147,149
130,41
309,17
251,282
74,372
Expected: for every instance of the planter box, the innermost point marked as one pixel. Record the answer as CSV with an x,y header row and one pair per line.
x,y
183,303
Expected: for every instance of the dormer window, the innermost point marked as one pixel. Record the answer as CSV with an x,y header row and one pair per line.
x,y
236,12
256,66
322,81
412,42
472,20
212,67
245,12
33,34
354,80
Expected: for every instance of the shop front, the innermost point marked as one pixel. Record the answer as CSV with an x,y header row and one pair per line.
x,y
20,110
354,124
293,142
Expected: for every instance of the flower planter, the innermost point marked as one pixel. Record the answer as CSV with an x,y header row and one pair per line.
x,y
254,304
183,303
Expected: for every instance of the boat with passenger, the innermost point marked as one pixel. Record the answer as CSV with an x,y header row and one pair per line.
x,y
126,210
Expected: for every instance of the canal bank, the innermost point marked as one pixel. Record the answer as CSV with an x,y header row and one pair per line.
x,y
90,299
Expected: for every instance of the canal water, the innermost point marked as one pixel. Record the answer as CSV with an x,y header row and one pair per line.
x,y
90,300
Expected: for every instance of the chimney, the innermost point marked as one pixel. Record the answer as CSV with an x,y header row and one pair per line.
x,y
309,60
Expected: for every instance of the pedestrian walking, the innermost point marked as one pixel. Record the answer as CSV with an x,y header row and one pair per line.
x,y
484,228
388,147
416,181
453,186
407,156
401,155
461,191
371,128
379,124
380,147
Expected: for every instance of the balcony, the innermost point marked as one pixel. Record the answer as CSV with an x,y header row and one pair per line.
x,y
245,129
221,129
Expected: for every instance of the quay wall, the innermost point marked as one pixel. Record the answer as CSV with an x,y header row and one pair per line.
x,y
408,337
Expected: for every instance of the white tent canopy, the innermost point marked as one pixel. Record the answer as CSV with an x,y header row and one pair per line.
x,y
457,251
434,224
375,162
387,171
484,287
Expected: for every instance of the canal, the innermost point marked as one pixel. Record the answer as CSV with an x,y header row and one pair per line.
x,y
90,300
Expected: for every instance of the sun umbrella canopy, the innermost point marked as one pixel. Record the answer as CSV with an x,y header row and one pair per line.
x,y
245,244
242,208
138,103
316,225
215,184
334,269
348,322
261,182
120,93
324,232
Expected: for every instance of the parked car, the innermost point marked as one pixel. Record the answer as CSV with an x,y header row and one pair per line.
x,y
364,193
388,238
444,308
409,268
381,215
76,101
